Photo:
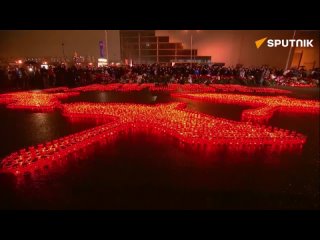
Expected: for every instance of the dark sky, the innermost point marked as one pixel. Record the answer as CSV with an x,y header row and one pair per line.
x,y
36,43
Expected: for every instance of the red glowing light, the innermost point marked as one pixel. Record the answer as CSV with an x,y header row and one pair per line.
x,y
97,87
131,87
171,119
57,89
173,87
265,106
244,89
226,88
303,85
159,88
34,101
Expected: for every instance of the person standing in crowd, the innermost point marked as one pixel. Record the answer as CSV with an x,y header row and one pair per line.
x,y
89,77
242,73
262,76
51,77
3,78
37,78
31,78
25,79
18,78
22,78
14,78
44,77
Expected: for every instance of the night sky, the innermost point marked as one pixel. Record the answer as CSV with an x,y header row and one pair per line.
x,y
36,43
227,46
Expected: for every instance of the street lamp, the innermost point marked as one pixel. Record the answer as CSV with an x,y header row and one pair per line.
x,y
64,56
289,55
191,45
106,39
191,49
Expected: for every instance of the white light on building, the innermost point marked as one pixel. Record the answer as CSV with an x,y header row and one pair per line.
x,y
102,62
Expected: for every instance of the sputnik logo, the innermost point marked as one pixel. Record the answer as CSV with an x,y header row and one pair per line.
x,y
271,43
169,119
260,42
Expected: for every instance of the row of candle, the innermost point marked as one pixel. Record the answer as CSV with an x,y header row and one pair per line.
x,y
133,87
55,90
97,87
31,101
34,101
171,87
228,88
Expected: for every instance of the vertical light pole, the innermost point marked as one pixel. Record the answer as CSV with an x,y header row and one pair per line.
x,y
106,39
191,45
64,57
191,50
157,49
139,48
289,55
175,53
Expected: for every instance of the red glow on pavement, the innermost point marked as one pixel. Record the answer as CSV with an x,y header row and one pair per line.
x,y
169,119
265,106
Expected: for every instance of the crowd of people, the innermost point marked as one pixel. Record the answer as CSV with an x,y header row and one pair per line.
x,y
35,77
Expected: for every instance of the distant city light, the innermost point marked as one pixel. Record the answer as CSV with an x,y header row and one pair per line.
x,y
102,60
44,66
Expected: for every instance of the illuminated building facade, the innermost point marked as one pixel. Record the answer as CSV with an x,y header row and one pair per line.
x,y
143,46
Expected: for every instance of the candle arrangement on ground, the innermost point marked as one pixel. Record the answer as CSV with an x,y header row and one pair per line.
x,y
174,87
189,127
34,101
171,87
233,88
55,90
97,87
131,87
